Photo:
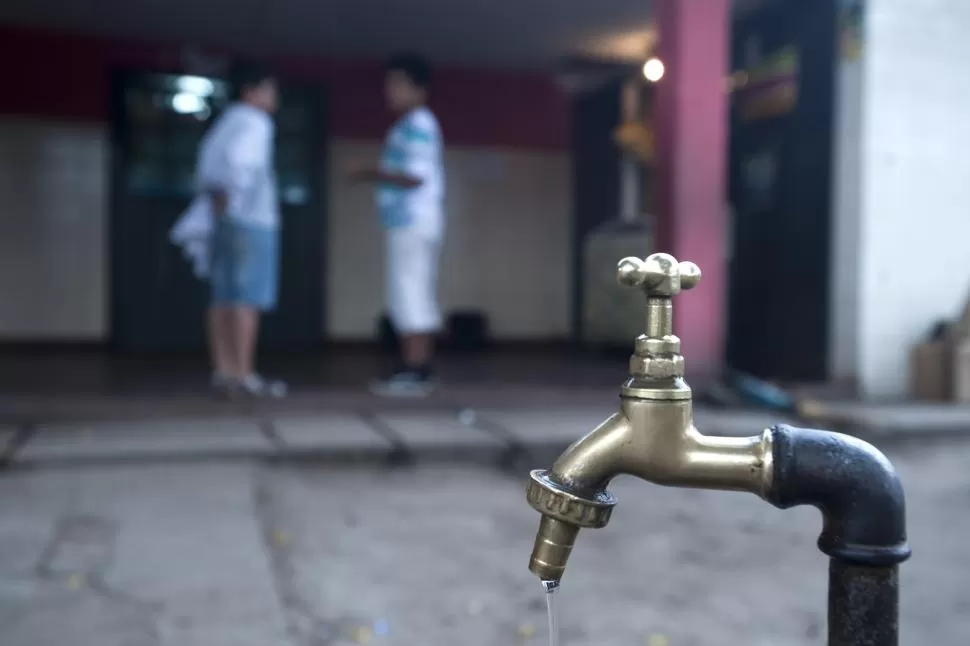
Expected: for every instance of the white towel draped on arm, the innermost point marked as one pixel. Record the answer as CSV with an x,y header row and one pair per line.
x,y
193,233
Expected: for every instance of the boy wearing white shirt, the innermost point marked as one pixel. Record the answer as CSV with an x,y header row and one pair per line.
x,y
235,173
410,188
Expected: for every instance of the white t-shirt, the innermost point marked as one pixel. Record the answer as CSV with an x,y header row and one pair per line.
x,y
236,155
414,147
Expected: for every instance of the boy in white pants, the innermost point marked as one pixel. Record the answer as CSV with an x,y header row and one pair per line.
x,y
410,200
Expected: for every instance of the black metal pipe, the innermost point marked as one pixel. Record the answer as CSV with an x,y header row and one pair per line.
x,y
852,484
863,605
864,526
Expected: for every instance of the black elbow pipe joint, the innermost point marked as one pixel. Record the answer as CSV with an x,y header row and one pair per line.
x,y
854,486
864,529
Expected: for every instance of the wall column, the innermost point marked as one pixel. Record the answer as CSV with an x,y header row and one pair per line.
x,y
691,117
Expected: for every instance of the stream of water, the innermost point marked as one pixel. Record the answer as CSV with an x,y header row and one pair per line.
x,y
550,588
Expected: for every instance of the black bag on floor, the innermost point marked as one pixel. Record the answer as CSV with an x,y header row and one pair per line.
x,y
468,331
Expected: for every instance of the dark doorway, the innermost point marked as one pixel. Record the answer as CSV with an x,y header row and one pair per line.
x,y
780,189
157,304
595,175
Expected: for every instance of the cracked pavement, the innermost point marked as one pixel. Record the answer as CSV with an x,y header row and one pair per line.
x,y
238,553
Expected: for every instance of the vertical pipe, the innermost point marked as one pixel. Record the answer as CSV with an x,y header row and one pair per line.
x,y
863,605
629,167
629,189
863,530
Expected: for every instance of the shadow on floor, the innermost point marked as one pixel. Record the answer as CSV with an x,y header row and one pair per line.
x,y
62,385
99,373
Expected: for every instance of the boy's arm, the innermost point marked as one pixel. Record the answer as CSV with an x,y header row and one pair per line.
x,y
373,174
418,149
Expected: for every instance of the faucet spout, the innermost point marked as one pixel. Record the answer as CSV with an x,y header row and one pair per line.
x,y
655,440
593,460
651,439
573,495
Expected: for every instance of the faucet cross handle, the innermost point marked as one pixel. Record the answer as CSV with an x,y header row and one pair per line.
x,y
659,275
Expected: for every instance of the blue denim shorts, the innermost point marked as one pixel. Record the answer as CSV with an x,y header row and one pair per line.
x,y
245,266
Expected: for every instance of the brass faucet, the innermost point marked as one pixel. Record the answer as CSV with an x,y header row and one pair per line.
x,y
652,437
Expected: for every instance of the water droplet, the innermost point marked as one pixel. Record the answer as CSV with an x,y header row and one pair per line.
x,y
381,627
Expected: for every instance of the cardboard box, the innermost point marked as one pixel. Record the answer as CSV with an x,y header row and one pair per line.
x,y
961,327
931,370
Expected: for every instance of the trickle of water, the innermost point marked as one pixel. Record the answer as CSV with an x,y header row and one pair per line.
x,y
553,611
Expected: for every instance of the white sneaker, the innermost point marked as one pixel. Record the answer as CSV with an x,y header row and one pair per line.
x,y
256,386
408,383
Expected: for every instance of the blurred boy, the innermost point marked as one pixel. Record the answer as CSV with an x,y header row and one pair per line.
x,y
410,201
238,201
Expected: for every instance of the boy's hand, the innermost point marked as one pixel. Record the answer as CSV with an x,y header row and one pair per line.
x,y
220,202
359,171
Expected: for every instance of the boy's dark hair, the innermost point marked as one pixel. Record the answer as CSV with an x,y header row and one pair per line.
x,y
414,66
247,74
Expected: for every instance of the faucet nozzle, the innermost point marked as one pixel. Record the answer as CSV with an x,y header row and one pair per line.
x,y
564,513
554,544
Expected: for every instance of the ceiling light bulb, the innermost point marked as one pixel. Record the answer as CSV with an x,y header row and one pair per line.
x,y
653,70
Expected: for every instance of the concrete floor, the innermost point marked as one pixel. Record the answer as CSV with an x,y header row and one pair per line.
x,y
239,553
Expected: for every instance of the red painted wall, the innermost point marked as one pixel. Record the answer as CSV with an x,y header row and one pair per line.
x,y
67,76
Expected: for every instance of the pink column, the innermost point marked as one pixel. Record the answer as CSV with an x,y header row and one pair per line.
x,y
691,117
